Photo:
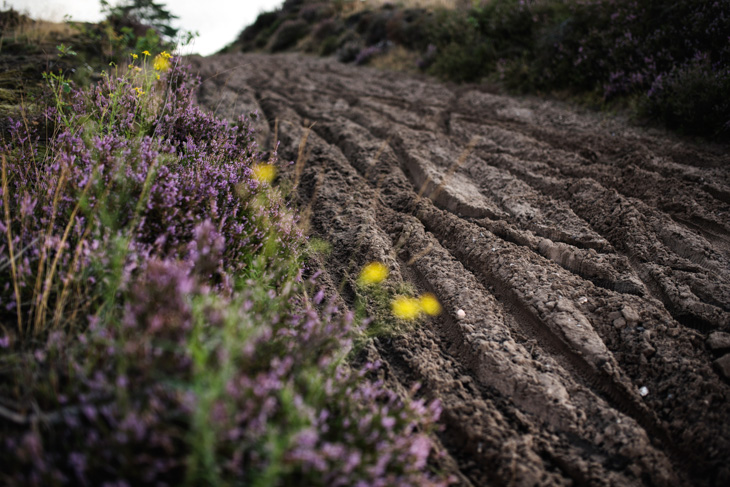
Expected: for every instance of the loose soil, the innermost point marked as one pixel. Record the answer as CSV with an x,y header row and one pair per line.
x,y
591,259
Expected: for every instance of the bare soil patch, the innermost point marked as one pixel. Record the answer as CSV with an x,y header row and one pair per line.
x,y
592,261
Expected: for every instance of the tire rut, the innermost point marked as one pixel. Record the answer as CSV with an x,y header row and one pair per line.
x,y
582,357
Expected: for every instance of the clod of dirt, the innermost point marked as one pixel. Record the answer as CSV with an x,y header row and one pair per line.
x,y
718,341
723,365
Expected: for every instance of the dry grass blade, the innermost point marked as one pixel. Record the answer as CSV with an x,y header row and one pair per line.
x,y
44,246
301,158
424,186
420,255
40,310
8,232
276,131
307,213
58,313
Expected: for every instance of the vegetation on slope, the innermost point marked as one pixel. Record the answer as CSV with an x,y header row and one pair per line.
x,y
667,61
159,324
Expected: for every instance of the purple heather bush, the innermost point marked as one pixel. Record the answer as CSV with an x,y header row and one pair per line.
x,y
156,325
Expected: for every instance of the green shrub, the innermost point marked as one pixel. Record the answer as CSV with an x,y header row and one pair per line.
x,y
263,22
329,46
607,51
288,34
693,99
464,63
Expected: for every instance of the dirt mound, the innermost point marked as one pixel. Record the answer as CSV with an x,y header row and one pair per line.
x,y
592,261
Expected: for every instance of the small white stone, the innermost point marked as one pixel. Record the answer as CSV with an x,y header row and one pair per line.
x,y
460,314
582,300
644,391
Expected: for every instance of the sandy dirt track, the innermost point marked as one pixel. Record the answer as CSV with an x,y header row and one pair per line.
x,y
592,261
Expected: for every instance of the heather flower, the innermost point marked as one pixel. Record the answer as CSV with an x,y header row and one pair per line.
x,y
373,273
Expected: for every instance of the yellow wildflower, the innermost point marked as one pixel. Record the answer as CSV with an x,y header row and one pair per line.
x,y
373,273
157,76
165,55
430,304
134,56
161,63
146,53
264,173
138,90
406,308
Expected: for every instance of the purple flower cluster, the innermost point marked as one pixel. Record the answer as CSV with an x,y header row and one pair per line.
x,y
165,331
368,442
367,53
150,182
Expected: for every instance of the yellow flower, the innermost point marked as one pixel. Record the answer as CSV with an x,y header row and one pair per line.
x,y
161,63
430,304
146,53
138,90
264,173
134,56
165,55
158,76
406,308
373,273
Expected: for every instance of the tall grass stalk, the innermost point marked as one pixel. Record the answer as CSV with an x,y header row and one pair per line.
x,y
40,315
11,252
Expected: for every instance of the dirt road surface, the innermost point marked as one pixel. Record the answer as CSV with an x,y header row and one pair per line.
x,y
591,259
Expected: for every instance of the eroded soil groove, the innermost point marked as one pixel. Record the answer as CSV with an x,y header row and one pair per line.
x,y
592,261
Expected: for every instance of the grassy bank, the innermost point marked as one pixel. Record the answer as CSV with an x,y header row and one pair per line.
x,y
159,324
668,62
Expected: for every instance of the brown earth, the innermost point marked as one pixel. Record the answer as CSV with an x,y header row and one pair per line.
x,y
592,260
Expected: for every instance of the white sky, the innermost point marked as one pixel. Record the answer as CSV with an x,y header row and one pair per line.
x,y
218,21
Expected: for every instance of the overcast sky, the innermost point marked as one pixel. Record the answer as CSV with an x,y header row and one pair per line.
x,y
218,21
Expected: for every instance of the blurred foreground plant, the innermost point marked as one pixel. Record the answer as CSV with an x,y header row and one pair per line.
x,y
157,327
